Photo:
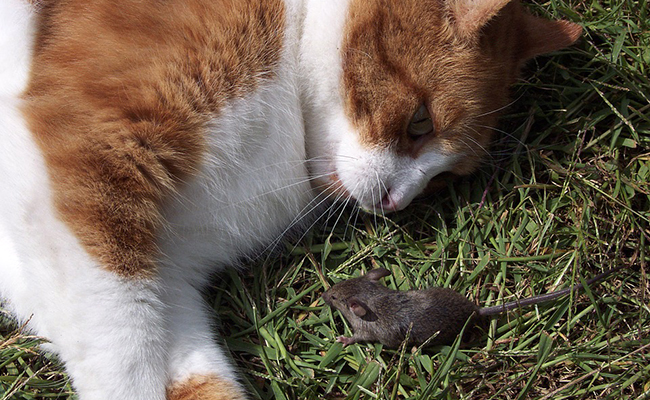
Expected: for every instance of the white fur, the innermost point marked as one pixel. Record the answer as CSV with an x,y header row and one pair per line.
x,y
107,330
128,339
253,186
321,70
16,34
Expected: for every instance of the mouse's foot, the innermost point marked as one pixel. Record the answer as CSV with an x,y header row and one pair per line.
x,y
346,340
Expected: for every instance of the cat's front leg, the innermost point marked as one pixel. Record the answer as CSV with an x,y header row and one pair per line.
x,y
198,367
120,336
204,387
110,333
114,346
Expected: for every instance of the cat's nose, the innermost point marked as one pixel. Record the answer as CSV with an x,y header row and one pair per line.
x,y
389,202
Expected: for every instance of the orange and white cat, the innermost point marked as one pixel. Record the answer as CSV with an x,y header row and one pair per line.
x,y
146,144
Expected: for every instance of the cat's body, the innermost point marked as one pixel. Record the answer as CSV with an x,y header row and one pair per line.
x,y
146,145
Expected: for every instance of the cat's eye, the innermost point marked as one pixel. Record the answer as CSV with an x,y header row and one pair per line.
x,y
421,123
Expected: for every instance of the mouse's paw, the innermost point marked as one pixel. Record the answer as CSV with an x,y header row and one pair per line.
x,y
346,340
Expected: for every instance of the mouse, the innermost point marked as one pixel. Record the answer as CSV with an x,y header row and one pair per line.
x,y
434,316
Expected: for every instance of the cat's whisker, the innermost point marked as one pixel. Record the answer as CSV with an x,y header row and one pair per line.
x,y
479,145
500,108
383,213
374,203
354,212
275,190
337,199
335,157
342,206
289,163
329,156
319,199
461,139
322,196
383,190
317,219
505,133
340,213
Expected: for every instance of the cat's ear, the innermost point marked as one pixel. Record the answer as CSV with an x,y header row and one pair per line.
x,y
544,36
470,16
535,35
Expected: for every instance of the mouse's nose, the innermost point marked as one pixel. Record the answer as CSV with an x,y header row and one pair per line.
x,y
326,297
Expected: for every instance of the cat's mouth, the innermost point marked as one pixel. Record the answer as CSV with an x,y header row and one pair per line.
x,y
390,201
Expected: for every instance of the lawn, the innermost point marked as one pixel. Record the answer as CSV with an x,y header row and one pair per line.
x,y
563,196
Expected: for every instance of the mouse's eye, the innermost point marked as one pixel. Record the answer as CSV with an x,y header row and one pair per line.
x,y
421,123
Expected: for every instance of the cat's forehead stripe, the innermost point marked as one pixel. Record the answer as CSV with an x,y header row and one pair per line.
x,y
378,82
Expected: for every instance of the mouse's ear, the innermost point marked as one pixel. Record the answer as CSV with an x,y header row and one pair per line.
x,y
357,306
377,274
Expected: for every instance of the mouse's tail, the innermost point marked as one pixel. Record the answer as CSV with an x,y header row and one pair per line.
x,y
486,311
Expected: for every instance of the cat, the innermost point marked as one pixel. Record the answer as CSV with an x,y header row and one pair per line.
x,y
148,144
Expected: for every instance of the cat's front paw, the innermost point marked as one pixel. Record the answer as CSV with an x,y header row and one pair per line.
x,y
210,387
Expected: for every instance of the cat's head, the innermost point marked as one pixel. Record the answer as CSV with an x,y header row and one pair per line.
x,y
400,91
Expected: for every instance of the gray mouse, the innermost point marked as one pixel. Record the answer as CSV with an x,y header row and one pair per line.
x,y
379,314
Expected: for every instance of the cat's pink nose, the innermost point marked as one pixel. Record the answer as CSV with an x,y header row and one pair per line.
x,y
389,203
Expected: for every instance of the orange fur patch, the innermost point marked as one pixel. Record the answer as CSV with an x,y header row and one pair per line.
x,y
119,98
205,388
401,54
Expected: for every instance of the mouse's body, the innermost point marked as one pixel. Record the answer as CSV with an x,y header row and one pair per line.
x,y
377,313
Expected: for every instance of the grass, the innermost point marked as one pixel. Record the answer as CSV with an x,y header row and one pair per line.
x,y
564,196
